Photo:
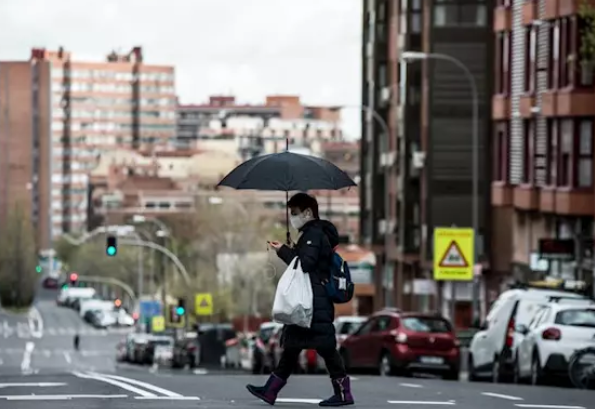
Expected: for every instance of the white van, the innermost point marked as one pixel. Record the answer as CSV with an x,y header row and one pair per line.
x,y
92,304
68,295
493,349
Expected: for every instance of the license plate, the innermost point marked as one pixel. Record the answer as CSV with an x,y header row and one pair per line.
x,y
431,360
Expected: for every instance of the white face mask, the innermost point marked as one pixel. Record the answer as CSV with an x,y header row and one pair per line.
x,y
298,220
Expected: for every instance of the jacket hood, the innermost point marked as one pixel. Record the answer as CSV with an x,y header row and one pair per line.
x,y
328,228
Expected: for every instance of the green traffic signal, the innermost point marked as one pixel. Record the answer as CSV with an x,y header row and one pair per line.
x,y
180,310
38,269
111,251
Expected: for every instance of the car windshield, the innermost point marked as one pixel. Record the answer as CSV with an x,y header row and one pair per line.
x,y
577,318
426,324
348,327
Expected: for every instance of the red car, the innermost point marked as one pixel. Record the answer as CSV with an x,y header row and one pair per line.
x,y
394,342
50,282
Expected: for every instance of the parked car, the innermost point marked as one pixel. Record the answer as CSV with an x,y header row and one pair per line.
x,y
121,351
395,342
185,352
153,342
493,349
550,339
50,283
346,325
263,359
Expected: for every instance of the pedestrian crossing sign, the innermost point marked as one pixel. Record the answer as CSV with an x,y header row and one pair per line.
x,y
453,254
158,324
203,304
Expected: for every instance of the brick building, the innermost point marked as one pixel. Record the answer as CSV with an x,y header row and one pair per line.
x,y
543,113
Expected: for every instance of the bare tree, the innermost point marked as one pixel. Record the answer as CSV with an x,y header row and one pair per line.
x,y
18,258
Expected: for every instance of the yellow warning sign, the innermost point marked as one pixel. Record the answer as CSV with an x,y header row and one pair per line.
x,y
157,324
203,304
453,254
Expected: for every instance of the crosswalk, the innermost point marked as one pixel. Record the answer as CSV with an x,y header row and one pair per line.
x,y
86,331
48,352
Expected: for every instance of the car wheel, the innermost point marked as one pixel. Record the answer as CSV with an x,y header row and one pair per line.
x,y
516,374
385,366
345,357
471,369
536,371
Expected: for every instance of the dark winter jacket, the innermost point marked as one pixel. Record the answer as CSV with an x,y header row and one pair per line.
x,y
314,249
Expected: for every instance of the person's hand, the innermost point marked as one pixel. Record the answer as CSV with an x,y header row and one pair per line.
x,y
275,244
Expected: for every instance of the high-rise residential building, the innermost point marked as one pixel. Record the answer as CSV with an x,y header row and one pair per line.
x,y
65,113
543,117
419,176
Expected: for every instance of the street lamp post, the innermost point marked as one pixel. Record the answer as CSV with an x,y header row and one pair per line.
x,y
418,56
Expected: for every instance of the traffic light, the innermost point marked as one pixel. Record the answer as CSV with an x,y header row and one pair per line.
x,y
181,308
174,317
38,269
73,279
117,303
111,246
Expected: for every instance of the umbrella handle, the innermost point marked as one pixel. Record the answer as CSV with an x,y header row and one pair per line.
x,y
288,234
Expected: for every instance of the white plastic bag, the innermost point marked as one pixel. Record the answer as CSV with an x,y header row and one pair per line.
x,y
294,300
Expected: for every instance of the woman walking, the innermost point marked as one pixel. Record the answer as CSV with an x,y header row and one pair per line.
x,y
315,250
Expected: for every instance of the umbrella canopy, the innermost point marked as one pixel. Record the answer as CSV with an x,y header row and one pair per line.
x,y
287,171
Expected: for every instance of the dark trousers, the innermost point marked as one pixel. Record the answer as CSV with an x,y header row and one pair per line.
x,y
290,358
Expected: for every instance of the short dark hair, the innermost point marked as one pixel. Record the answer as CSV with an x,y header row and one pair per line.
x,y
304,201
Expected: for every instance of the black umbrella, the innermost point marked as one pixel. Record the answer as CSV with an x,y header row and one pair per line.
x,y
287,171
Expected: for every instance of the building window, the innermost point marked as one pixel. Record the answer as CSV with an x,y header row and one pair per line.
x,y
565,60
528,150
585,157
501,151
584,69
551,173
553,55
530,58
566,145
502,74
449,13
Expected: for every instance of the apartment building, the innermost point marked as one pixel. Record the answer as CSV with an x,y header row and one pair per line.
x,y
256,129
543,117
74,111
420,176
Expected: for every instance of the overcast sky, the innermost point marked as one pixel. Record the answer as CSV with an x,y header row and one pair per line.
x,y
249,48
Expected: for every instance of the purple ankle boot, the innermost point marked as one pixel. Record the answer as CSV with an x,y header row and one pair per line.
x,y
269,391
342,393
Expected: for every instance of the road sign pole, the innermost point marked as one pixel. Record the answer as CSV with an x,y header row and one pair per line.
x,y
453,301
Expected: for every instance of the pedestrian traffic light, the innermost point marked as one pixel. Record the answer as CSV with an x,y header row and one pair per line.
x,y
181,308
111,246
38,269
117,303
73,278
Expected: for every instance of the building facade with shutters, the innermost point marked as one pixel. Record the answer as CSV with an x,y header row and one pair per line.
x,y
543,117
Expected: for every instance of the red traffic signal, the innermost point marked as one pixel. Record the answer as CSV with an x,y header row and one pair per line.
x,y
74,277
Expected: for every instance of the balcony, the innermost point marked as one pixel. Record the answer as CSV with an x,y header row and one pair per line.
x,y
526,197
547,199
500,107
526,104
551,7
575,103
501,194
529,12
548,103
574,202
502,19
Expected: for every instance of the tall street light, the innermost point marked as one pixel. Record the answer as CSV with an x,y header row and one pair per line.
x,y
409,56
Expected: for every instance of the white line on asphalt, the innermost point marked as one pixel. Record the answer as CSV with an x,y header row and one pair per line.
x,y
528,405
290,400
171,398
33,318
38,384
145,385
26,363
501,396
60,397
411,385
122,385
67,357
420,402
1,361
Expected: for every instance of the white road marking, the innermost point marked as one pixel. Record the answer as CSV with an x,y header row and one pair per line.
x,y
67,357
35,323
145,385
290,400
1,361
60,397
501,396
200,371
411,385
122,385
171,398
38,384
26,363
528,405
420,402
